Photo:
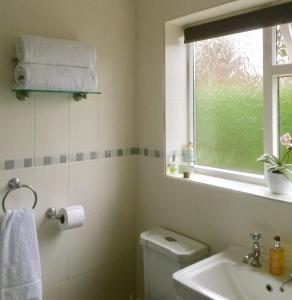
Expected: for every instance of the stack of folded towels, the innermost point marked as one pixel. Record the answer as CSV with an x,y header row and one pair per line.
x,y
55,64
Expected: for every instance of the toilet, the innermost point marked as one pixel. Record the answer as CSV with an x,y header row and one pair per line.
x,y
164,253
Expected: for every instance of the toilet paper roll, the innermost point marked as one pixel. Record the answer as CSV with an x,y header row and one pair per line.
x,y
71,217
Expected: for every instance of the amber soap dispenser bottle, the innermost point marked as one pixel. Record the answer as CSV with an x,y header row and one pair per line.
x,y
277,258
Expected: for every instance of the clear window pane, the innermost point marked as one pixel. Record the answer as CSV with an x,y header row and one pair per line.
x,y
285,108
284,44
228,89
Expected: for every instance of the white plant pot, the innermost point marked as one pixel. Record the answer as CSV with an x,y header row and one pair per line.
x,y
278,184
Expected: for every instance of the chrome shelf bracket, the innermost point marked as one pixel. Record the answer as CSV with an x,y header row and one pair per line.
x,y
79,96
22,95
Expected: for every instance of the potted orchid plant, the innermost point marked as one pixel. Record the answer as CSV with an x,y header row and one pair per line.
x,y
279,170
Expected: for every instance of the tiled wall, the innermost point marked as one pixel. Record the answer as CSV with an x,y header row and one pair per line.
x,y
76,152
216,217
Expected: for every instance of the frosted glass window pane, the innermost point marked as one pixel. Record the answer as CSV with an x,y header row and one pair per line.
x,y
284,44
285,108
228,92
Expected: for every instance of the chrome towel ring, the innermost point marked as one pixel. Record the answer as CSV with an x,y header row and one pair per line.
x,y
14,184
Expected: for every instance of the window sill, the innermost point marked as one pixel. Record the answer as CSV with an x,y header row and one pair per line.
x,y
233,185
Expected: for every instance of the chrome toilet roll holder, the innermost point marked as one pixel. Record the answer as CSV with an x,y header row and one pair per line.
x,y
52,215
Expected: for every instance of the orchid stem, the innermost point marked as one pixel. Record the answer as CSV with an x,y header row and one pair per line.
x,y
288,151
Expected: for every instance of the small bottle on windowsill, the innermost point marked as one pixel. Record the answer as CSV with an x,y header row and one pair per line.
x,y
172,164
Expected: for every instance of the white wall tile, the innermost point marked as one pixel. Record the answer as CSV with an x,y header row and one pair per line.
x,y
17,127
115,126
51,124
115,64
83,125
101,185
110,282
7,54
79,20
115,183
51,184
86,287
53,245
57,292
91,250
7,13
86,185
44,15
100,241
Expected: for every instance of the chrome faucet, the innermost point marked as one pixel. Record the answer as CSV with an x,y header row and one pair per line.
x,y
255,252
289,279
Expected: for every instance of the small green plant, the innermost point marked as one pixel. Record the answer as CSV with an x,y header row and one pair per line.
x,y
280,165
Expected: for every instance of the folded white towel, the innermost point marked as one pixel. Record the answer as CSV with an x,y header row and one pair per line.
x,y
57,78
50,51
20,268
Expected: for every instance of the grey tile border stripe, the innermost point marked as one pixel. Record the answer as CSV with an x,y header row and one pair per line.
x,y
9,164
63,159
27,163
93,155
107,153
157,153
48,160
133,150
79,156
120,152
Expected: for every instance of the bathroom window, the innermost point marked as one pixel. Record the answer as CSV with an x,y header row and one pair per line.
x,y
242,99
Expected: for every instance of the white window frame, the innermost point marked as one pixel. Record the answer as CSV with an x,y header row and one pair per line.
x,y
271,74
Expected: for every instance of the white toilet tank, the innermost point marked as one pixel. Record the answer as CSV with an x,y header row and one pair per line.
x,y
164,253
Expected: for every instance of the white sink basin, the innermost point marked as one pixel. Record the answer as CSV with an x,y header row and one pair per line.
x,y
223,276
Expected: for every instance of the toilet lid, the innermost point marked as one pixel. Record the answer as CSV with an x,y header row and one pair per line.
x,y
173,245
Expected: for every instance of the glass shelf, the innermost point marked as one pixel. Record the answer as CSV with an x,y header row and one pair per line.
x,y
21,94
